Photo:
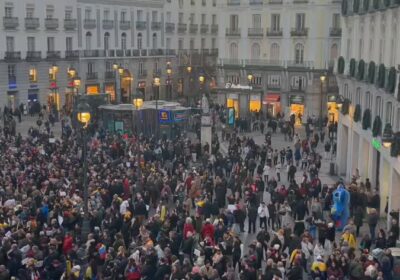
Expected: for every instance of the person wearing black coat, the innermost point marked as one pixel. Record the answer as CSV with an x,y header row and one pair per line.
x,y
252,215
163,269
240,216
295,273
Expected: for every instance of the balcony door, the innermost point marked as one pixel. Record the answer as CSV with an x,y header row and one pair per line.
x,y
106,41
234,22
300,21
31,44
10,44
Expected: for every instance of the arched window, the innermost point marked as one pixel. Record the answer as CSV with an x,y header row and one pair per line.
x,y
139,41
123,41
274,53
334,52
299,53
233,51
88,40
106,41
155,41
255,51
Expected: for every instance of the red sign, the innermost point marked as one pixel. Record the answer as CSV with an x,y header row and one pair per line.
x,y
53,85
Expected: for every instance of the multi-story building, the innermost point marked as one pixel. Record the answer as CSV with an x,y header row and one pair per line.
x,y
284,47
42,41
367,74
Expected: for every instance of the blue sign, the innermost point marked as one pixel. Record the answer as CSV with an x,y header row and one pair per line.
x,y
164,116
180,116
231,116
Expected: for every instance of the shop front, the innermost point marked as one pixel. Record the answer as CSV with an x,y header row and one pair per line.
x,y
92,89
141,87
12,99
53,99
126,87
232,102
109,88
296,106
255,103
333,109
272,104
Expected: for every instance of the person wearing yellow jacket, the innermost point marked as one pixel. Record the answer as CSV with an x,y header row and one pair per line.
x,y
350,238
319,268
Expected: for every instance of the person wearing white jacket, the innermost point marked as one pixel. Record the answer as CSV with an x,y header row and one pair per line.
x,y
263,213
307,249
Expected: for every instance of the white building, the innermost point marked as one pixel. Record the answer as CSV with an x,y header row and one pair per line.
x,y
368,78
286,45
50,37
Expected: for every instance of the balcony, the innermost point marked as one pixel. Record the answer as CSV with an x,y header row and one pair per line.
x,y
71,55
193,28
232,32
214,52
31,23
275,1
91,53
70,24
233,2
300,1
156,52
299,64
335,32
170,52
51,23
124,25
92,76
33,56
182,27
255,32
256,2
214,28
204,28
299,32
143,52
108,24
263,62
141,25
122,53
53,55
274,32
109,75
10,22
155,25
142,74
169,27
89,23
135,52
11,56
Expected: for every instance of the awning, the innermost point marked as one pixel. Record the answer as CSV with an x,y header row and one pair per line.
x,y
271,98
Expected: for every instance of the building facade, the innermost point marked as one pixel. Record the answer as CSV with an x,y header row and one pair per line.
x,y
285,46
367,75
43,41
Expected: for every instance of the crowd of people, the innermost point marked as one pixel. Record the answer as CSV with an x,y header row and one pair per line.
x,y
155,213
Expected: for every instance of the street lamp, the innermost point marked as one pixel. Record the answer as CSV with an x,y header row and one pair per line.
x,y
250,78
387,136
83,116
168,81
322,79
202,79
77,84
156,84
189,69
71,72
137,100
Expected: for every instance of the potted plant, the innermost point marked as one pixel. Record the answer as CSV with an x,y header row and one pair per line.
x,y
352,67
381,75
361,66
357,113
341,65
391,80
366,120
377,127
371,72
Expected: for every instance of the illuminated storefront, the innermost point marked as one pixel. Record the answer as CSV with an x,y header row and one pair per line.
x,y
53,98
255,103
109,88
92,89
296,103
333,109
272,103
233,102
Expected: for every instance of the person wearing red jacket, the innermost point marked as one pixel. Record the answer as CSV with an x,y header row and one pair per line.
x,y
188,227
67,243
208,230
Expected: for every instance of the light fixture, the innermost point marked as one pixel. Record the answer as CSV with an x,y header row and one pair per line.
x,y
189,69
71,72
55,68
322,78
169,71
250,77
83,114
137,99
115,66
157,81
77,82
387,136
120,70
339,101
201,78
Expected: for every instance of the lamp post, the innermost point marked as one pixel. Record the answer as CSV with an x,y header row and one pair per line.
x,y
118,89
250,78
137,100
189,84
83,116
322,79
168,81
156,88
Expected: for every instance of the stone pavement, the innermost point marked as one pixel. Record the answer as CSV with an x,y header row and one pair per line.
x,y
28,122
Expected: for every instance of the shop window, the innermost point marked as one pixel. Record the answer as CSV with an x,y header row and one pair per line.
x,y
255,103
33,75
388,113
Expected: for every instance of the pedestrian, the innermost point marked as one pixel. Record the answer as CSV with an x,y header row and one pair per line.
x,y
263,213
372,220
252,218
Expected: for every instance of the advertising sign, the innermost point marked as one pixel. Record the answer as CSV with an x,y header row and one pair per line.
x,y
231,116
164,116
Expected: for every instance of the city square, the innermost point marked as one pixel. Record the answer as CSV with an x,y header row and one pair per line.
x,y
199,139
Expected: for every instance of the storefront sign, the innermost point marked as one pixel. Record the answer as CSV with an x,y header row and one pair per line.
x,y
230,85
119,126
233,96
296,99
164,116
271,98
255,97
376,144
180,116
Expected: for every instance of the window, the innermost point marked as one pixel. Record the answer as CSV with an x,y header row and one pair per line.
x,y
368,100
168,43
234,22
140,15
168,17
300,21
30,11
68,43
90,67
276,22
348,48
11,71
336,20
213,43
255,51
33,75
88,13
214,19
298,82
192,2
299,53
257,80
192,18
180,44
334,52
88,41
106,15
8,10
49,11
191,44
398,120
31,44
68,13
361,48
257,21
203,18
106,41
50,44
123,41
274,53
203,3
358,96
141,68
274,81
155,45
233,51
124,18
214,3
180,18
203,43
388,117
378,106
180,4
139,41
9,44
154,16
346,91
